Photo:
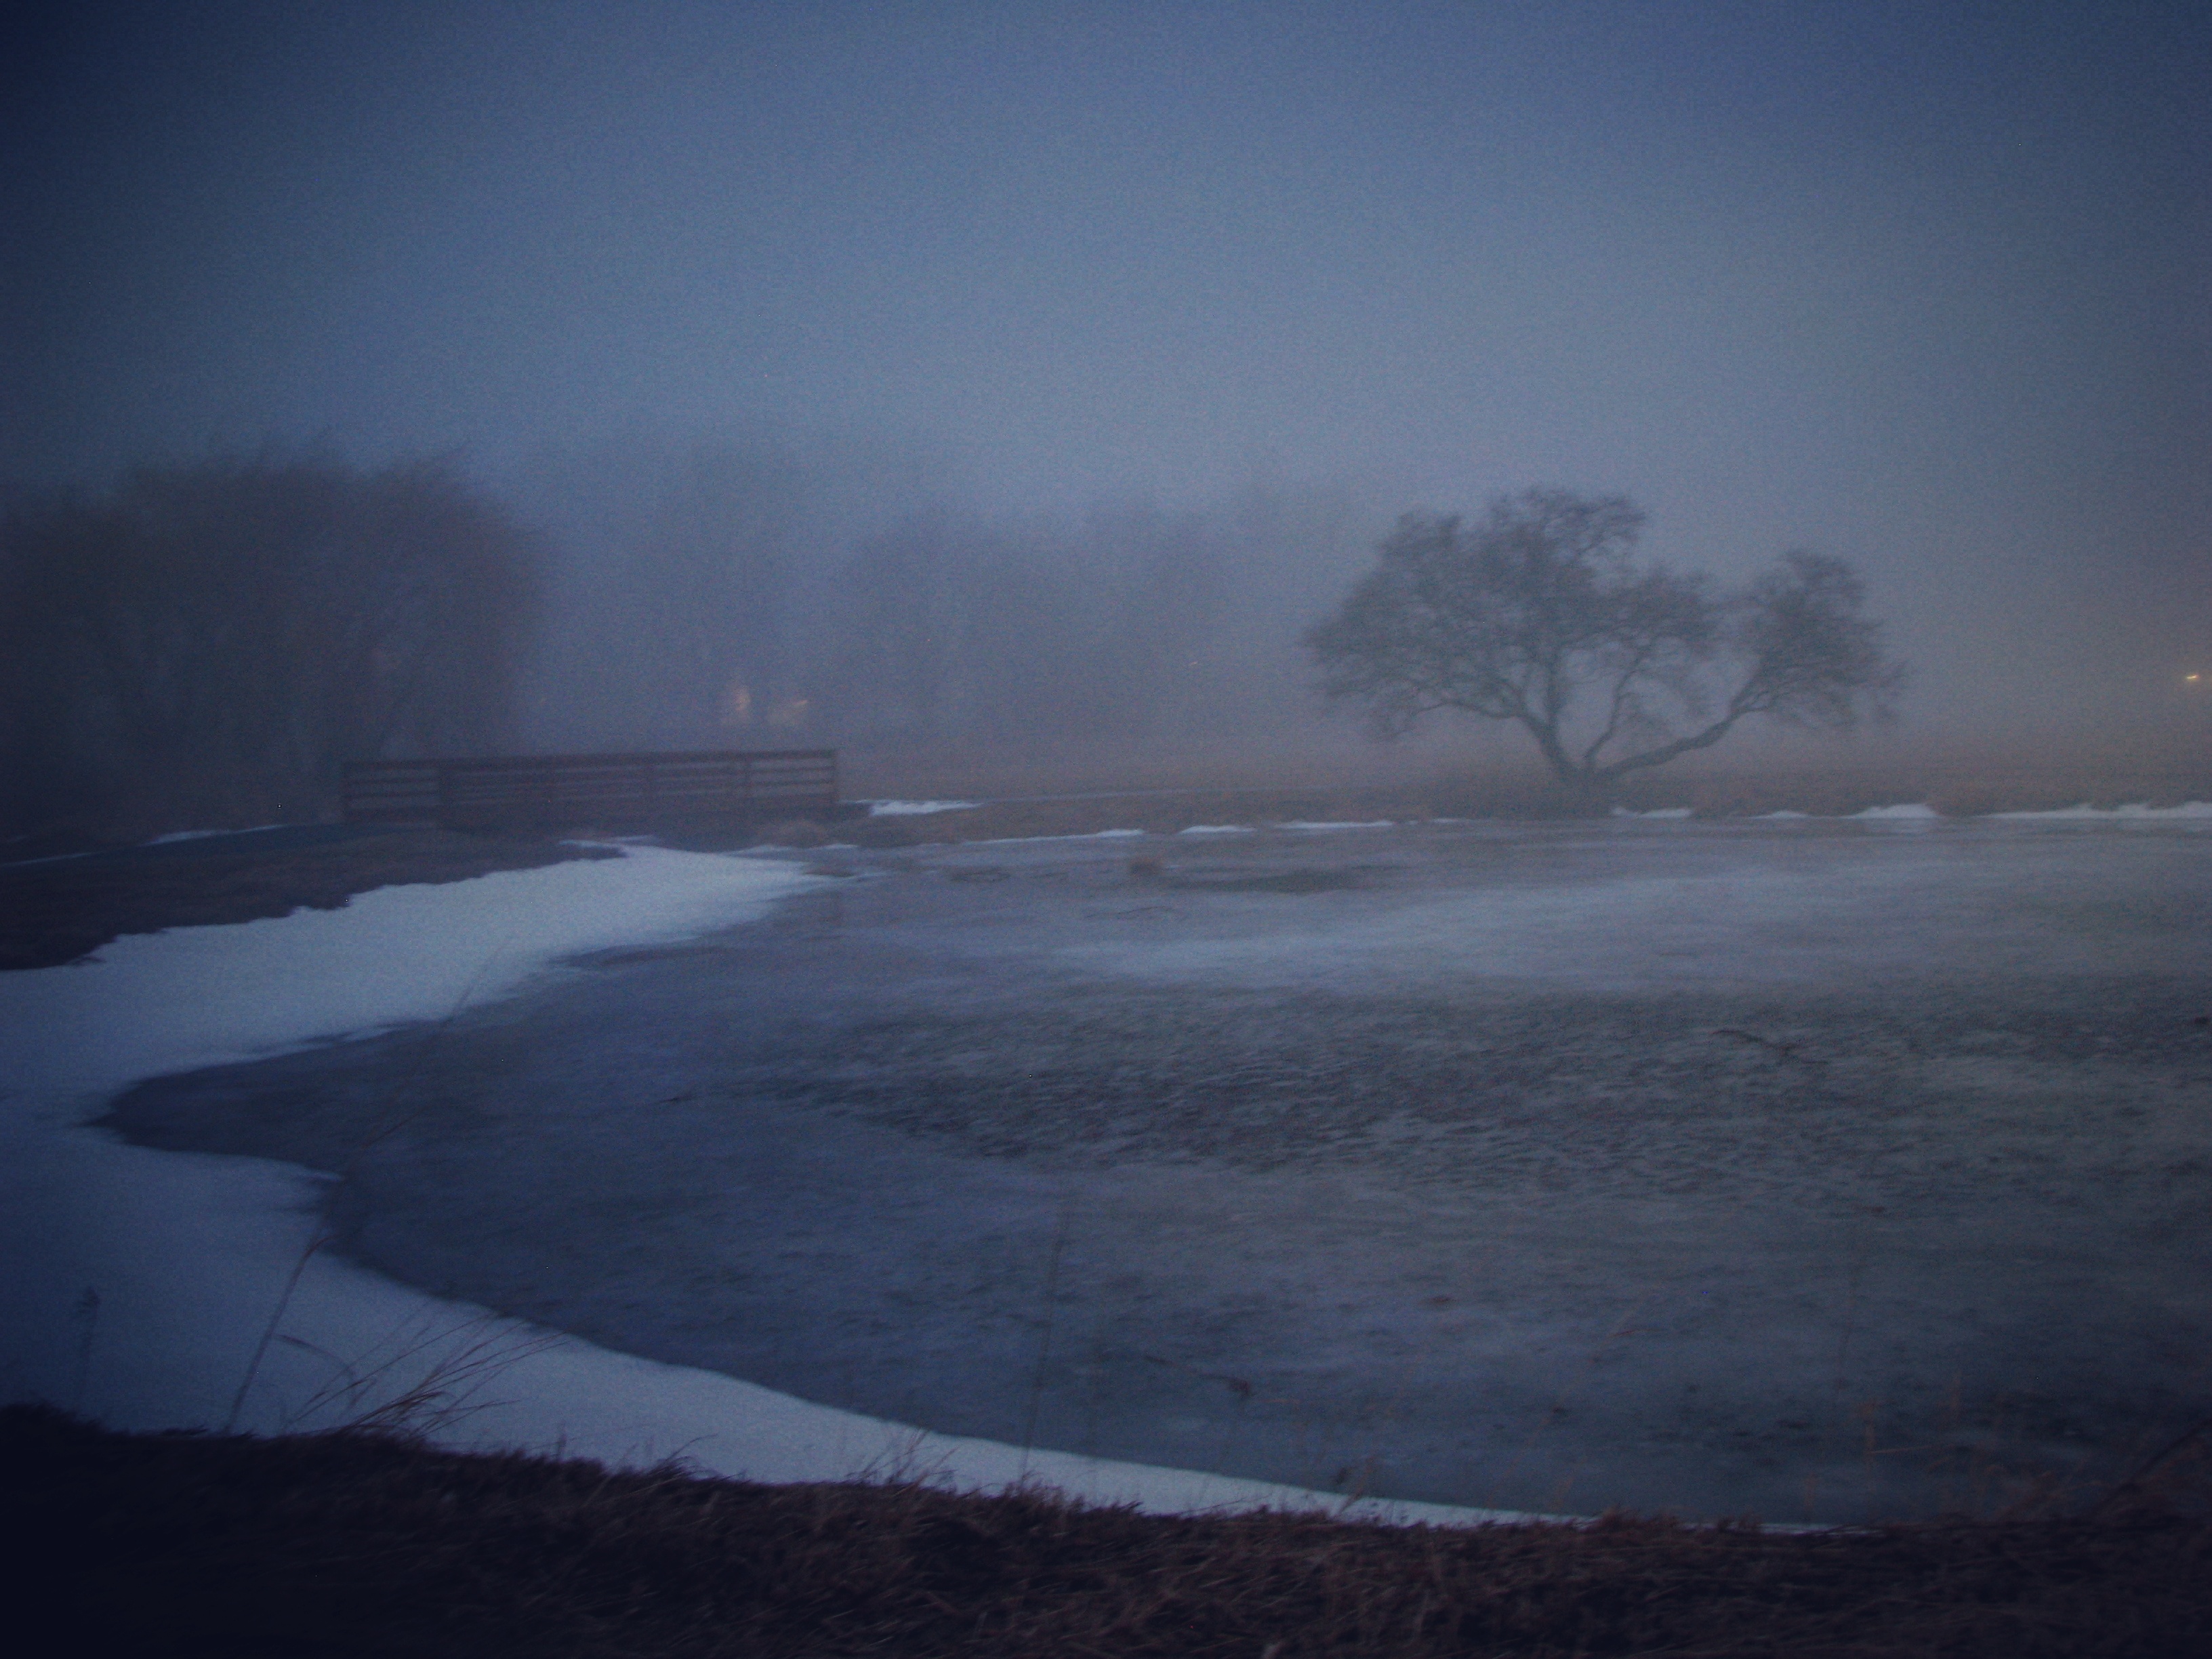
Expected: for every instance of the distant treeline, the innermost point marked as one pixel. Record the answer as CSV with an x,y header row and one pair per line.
x,y
738,597
210,643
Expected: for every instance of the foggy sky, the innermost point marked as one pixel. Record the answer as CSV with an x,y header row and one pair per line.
x,y
1923,285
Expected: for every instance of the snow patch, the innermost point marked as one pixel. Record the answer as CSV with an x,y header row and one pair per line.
x,y
202,834
900,809
149,1004
1366,824
2140,811
1084,835
1911,813
1215,829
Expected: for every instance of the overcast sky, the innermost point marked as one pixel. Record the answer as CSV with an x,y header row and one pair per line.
x,y
1923,284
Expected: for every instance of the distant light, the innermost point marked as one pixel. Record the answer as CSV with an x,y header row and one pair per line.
x,y
2192,678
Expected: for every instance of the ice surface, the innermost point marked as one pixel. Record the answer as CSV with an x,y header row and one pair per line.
x,y
140,1284
1668,906
1216,829
1365,823
1707,1134
1422,1134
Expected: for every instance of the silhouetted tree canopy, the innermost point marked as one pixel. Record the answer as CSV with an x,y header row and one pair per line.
x,y
1538,614
220,638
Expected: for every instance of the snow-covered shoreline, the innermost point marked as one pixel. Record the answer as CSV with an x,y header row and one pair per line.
x,y
143,1283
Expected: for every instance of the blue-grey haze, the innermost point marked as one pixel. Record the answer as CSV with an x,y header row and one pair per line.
x,y
1921,284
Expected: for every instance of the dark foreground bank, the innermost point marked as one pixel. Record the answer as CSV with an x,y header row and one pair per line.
x,y
359,1543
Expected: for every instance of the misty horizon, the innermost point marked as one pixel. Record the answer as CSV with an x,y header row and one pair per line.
x,y
1917,289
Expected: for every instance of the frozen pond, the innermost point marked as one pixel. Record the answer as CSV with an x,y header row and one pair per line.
x,y
1813,1170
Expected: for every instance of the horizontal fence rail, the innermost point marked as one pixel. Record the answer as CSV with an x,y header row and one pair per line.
x,y
595,789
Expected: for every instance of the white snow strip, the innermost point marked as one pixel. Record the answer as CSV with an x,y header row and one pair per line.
x,y
1368,823
1085,835
1215,829
1913,812
1660,812
154,1003
1785,814
202,834
896,809
140,1285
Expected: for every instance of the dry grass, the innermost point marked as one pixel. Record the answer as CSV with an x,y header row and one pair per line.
x,y
363,1543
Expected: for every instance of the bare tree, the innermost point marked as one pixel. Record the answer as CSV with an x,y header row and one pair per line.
x,y
1538,614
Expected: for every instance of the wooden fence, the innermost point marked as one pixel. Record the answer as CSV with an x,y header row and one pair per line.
x,y
598,790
